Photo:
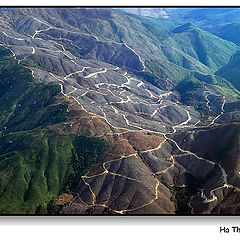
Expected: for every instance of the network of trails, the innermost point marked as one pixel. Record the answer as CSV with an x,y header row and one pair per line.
x,y
126,84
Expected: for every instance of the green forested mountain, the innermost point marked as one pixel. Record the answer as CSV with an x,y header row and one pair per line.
x,y
230,32
231,70
210,50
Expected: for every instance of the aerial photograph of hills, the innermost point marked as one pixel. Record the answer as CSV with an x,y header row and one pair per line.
x,y
119,111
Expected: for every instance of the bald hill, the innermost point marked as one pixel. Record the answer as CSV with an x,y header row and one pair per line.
x,y
109,112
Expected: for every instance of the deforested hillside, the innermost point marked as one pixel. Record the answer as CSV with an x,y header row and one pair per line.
x,y
107,112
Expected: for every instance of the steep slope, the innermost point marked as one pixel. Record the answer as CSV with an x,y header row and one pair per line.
x,y
231,71
11,90
223,22
37,165
230,32
212,51
191,85
221,146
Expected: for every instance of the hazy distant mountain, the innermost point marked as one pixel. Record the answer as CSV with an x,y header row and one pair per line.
x,y
149,12
211,19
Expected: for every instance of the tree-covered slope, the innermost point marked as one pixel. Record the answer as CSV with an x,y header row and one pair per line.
x,y
15,82
210,50
230,32
231,70
36,163
183,76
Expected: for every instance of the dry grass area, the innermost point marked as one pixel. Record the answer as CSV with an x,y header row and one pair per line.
x,y
142,141
63,198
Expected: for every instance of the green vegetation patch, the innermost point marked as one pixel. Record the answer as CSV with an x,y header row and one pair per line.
x,y
188,88
209,49
38,108
86,153
25,104
15,82
71,48
231,70
182,197
31,63
37,165
166,70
